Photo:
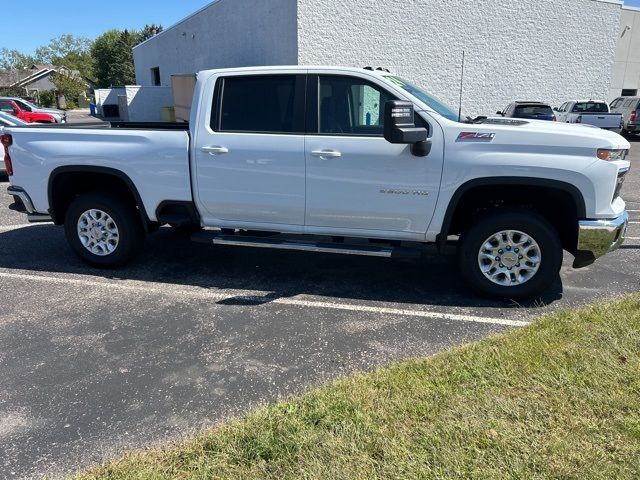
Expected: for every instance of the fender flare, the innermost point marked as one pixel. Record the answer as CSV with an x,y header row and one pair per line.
x,y
146,222
572,190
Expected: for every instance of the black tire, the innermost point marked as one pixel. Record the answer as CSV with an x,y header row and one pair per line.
x,y
125,217
527,222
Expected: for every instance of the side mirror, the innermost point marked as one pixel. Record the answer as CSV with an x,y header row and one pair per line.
x,y
400,127
500,113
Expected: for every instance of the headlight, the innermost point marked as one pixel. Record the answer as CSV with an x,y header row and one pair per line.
x,y
610,154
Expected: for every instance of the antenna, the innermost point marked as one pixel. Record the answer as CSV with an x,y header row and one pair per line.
x,y
461,87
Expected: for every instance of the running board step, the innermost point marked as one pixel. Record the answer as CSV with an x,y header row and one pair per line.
x,y
216,238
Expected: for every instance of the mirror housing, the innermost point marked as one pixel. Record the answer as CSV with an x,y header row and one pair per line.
x,y
500,113
399,124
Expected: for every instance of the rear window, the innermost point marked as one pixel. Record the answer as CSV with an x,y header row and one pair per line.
x,y
533,110
590,107
259,104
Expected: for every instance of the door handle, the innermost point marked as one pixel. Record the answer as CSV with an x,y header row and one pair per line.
x,y
326,154
215,150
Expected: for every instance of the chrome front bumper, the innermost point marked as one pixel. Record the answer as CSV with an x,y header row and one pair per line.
x,y
24,204
599,237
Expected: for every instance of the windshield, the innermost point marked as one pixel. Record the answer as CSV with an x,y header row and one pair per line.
x,y
526,111
424,97
591,107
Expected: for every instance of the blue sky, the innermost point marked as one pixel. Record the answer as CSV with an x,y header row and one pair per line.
x,y
35,26
48,19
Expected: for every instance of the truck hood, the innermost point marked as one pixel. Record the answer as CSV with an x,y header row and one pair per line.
x,y
546,133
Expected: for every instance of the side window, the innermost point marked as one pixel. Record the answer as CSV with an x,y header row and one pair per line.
x,y
616,102
23,106
628,103
351,106
260,104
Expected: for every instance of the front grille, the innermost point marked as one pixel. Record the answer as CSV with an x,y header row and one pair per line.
x,y
620,182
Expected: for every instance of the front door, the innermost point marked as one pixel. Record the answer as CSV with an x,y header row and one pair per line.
x,y
357,182
249,157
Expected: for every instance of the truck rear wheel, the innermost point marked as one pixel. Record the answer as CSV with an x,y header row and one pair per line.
x,y
510,254
103,230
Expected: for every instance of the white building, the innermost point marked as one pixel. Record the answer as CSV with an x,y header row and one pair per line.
x,y
625,80
551,50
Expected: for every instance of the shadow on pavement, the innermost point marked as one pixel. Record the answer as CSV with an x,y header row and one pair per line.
x,y
171,258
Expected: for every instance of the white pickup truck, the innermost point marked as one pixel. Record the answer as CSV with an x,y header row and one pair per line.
x,y
331,159
590,112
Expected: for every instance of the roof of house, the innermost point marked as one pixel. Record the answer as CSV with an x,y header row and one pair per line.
x,y
23,77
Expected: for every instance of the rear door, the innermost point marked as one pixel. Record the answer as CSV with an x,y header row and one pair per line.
x,y
249,152
357,182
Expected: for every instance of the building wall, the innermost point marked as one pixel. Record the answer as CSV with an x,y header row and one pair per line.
x,y
546,50
144,103
626,68
226,33
136,103
42,84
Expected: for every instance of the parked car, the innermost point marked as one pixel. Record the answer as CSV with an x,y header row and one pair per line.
x,y
60,116
8,121
629,107
12,108
589,112
532,110
365,160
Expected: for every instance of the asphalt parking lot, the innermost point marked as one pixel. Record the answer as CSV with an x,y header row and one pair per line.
x,y
93,362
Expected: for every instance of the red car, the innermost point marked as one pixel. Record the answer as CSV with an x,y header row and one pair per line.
x,y
12,108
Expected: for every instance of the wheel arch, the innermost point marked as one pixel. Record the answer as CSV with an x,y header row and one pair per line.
x,y
467,190
113,178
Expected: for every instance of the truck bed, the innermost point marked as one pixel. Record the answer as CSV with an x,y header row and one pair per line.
x,y
152,156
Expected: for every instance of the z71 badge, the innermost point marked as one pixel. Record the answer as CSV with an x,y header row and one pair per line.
x,y
475,137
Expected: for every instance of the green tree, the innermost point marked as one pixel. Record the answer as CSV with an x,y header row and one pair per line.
x,y
69,86
10,59
112,53
149,31
73,53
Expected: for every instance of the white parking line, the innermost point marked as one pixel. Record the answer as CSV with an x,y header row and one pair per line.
x,y
202,293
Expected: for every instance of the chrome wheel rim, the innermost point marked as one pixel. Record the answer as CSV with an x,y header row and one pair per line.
x,y
98,232
509,258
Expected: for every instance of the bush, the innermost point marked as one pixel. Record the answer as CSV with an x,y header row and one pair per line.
x,y
47,99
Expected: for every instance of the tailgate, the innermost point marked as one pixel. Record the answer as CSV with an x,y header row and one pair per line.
x,y
602,120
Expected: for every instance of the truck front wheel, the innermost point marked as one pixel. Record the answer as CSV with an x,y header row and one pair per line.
x,y
103,230
510,254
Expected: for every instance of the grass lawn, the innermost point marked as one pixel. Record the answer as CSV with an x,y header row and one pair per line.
x,y
558,399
